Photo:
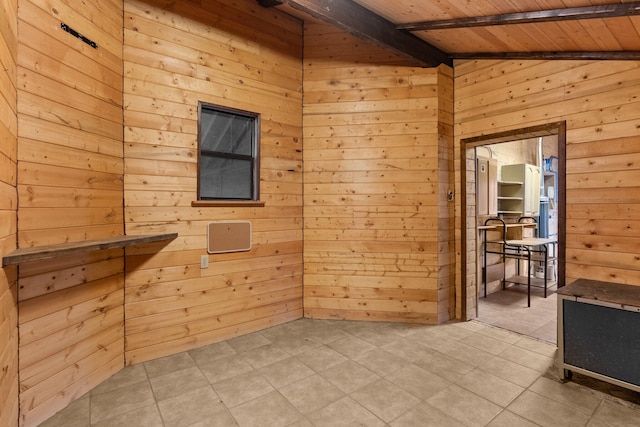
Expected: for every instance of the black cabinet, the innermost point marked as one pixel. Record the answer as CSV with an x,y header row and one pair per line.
x,y
599,331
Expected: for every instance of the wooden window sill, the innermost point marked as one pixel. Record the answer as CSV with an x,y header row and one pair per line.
x,y
73,248
227,203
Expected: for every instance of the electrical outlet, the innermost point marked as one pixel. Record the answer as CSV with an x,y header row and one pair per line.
x,y
204,261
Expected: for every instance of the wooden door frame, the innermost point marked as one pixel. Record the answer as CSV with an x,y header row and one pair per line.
x,y
556,128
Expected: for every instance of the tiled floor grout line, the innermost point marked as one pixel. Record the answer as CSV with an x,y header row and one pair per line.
x,y
156,401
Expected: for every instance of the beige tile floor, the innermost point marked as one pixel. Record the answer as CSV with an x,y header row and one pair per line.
x,y
344,373
508,309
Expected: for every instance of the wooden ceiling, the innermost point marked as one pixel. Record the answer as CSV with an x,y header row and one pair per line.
x,y
555,29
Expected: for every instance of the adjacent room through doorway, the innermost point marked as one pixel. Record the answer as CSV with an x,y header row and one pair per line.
x,y
515,228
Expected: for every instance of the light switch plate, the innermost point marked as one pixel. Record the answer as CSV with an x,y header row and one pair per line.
x,y
204,261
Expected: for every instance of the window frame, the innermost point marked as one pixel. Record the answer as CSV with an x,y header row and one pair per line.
x,y
203,107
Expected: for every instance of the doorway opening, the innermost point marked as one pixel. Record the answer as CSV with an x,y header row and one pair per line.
x,y
514,199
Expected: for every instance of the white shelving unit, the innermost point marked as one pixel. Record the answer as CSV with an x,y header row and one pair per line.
x,y
510,197
519,190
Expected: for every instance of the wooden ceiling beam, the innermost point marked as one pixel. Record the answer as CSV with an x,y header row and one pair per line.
x,y
550,15
361,22
270,3
632,55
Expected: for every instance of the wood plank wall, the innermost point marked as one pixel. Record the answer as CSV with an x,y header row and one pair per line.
x,y
231,53
70,174
600,103
446,201
377,173
8,212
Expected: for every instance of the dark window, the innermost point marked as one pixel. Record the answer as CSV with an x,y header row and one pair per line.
x,y
228,166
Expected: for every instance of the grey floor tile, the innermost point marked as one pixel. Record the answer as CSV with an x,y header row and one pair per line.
x,y
212,352
425,415
527,358
168,364
272,409
515,325
546,412
438,338
177,383
128,376
296,344
310,394
452,331
529,317
509,419
279,332
356,326
321,358
508,310
418,382
345,413
264,355
381,362
302,423
468,354
349,376
385,400
120,401
407,349
351,347
471,326
198,407
149,416
285,372
486,343
326,335
510,371
491,387
305,324
248,342
615,414
404,330
242,388
225,368
543,348
465,406
444,365
75,415
222,419
570,394
378,336
548,332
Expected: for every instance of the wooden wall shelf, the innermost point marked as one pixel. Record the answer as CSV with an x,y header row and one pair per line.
x,y
73,248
